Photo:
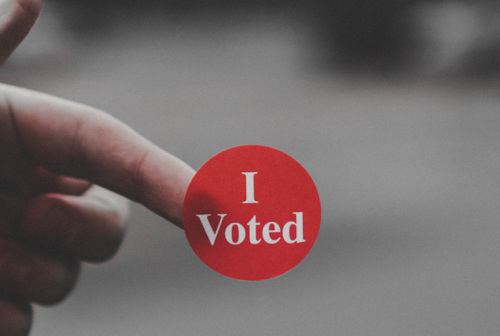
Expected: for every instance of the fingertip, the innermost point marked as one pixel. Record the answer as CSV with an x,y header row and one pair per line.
x,y
32,8
16,19
164,185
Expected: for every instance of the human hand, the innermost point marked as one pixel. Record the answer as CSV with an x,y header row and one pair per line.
x,y
59,160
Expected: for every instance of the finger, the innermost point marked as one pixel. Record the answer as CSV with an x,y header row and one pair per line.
x,y
33,276
78,141
16,19
15,317
88,227
44,181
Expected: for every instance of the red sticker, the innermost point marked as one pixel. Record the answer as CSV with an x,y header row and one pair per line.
x,y
251,213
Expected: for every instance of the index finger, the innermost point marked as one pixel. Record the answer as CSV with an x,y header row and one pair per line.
x,y
76,140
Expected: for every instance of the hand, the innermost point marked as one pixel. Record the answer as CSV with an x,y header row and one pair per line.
x,y
58,161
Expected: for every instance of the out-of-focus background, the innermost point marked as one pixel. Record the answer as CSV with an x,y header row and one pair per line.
x,y
392,106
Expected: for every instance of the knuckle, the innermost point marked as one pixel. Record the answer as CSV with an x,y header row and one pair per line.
x,y
57,283
15,318
53,292
35,277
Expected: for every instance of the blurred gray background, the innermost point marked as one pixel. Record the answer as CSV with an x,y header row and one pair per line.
x,y
393,108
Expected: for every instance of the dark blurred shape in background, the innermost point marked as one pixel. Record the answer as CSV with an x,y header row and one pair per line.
x,y
94,16
364,35
361,36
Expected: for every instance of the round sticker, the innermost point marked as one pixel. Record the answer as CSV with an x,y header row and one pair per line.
x,y
251,213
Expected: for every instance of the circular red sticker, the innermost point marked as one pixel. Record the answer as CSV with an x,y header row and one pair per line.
x,y
251,213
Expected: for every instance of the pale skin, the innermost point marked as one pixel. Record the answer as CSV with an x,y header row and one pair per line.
x,y
63,167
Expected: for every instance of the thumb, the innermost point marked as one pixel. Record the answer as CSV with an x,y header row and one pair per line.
x,y
16,19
